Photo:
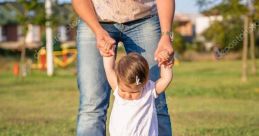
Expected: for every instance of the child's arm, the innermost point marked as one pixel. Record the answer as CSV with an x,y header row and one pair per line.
x,y
109,66
166,74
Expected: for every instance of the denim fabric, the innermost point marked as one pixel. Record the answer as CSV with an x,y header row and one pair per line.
x,y
139,36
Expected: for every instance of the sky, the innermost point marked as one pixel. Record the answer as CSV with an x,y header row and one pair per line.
x,y
186,6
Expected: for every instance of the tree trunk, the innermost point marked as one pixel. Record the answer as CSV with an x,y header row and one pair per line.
x,y
23,59
252,46
245,48
23,52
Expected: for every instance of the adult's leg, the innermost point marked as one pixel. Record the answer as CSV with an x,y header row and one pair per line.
x,y
143,37
92,83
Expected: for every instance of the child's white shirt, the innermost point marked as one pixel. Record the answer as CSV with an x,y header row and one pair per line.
x,y
135,117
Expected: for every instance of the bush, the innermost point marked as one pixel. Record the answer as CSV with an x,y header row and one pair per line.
x,y
228,33
179,43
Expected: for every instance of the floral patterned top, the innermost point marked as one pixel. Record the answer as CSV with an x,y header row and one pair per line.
x,y
122,11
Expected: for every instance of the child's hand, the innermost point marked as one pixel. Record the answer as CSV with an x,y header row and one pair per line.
x,y
105,44
110,49
164,57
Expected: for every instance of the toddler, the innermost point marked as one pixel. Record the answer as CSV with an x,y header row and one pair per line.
x,y
134,111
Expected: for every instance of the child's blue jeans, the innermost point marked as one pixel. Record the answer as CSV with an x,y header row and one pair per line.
x,y
140,36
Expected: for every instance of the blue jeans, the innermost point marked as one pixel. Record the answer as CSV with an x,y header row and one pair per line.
x,y
140,36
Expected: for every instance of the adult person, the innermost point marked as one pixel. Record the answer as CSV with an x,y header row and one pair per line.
x,y
144,26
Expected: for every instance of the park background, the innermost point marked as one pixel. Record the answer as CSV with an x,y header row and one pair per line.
x,y
215,90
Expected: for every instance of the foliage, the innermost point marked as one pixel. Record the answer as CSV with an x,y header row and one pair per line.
x,y
197,46
179,43
56,43
229,31
232,8
256,6
227,8
63,14
33,12
7,15
30,12
225,34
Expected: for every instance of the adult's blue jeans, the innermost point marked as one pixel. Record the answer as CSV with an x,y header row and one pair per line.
x,y
140,36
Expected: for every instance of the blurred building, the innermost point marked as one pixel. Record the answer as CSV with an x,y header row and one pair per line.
x,y
185,25
204,22
11,31
189,25
192,25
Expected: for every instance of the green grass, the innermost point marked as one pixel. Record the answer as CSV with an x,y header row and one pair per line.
x,y
205,99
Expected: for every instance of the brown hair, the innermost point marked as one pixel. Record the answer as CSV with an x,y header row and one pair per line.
x,y
130,67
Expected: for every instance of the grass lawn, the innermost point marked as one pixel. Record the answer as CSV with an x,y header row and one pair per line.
x,y
205,99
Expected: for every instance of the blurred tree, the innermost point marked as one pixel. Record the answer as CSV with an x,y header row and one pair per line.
x,y
179,43
223,34
252,15
256,9
227,8
33,12
245,48
63,15
252,47
28,12
235,10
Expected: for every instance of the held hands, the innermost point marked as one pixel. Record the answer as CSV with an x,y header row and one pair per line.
x,y
165,59
105,43
164,53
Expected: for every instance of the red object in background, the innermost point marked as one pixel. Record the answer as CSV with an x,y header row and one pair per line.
x,y
64,56
43,61
16,69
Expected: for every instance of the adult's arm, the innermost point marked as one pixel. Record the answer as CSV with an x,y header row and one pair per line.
x,y
85,10
166,10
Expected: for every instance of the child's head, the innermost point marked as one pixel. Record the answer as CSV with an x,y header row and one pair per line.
x,y
132,72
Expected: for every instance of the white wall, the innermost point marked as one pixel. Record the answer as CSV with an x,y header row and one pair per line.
x,y
62,33
203,22
33,34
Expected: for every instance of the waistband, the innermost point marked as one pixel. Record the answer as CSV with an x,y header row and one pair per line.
x,y
130,22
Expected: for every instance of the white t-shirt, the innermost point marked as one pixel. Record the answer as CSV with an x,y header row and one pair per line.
x,y
135,117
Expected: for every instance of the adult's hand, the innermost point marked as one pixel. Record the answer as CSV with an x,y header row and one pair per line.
x,y
85,10
164,53
105,43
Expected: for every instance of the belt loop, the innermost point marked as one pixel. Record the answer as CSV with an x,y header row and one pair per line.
x,y
122,27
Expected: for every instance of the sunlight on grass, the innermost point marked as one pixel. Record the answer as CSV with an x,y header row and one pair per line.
x,y
205,98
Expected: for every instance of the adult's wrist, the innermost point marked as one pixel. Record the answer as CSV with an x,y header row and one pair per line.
x,y
167,34
98,29
166,37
